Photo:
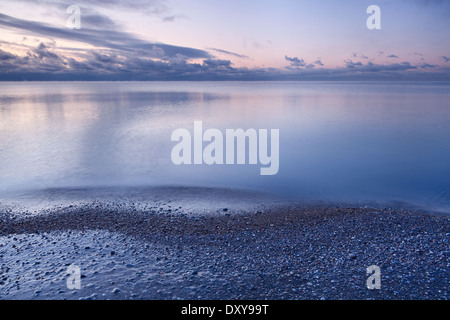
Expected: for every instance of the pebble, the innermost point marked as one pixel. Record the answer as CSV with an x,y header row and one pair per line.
x,y
306,254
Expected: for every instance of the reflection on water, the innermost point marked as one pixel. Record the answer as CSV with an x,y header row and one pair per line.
x,y
339,141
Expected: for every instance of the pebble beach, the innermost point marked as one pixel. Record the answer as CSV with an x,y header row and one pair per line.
x,y
267,252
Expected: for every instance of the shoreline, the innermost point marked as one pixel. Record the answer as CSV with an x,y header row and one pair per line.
x,y
188,200
285,252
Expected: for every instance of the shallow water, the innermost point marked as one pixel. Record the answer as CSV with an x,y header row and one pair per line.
x,y
343,141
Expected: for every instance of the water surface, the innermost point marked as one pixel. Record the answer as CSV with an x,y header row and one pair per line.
x,y
382,142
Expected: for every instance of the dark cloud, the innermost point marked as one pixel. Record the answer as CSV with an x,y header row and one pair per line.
x,y
43,52
371,67
427,66
105,38
318,62
217,63
295,62
351,64
39,59
445,59
6,56
95,20
42,63
393,56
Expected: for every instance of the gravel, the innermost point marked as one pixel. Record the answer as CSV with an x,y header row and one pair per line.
x,y
290,252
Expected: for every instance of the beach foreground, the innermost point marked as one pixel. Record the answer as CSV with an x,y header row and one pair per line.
x,y
288,252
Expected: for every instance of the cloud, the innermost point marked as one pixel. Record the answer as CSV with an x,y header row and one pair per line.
x,y
445,59
169,19
240,56
39,59
351,64
418,54
319,62
106,38
393,56
217,63
427,66
297,63
43,63
362,56
155,7
4,56
404,66
94,20
43,52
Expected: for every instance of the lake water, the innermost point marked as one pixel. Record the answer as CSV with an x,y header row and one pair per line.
x,y
339,141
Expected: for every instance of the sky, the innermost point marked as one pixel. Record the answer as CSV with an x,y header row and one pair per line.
x,y
224,40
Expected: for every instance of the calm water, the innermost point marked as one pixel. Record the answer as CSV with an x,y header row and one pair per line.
x,y
344,141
